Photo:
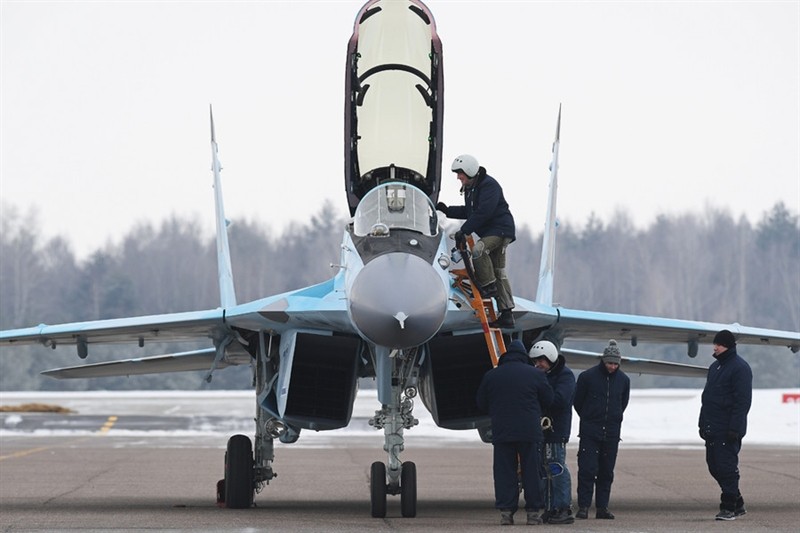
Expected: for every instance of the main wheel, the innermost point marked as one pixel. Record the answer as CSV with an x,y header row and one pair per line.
x,y
239,473
408,490
377,489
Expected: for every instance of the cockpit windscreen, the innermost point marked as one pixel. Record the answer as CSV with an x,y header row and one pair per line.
x,y
395,206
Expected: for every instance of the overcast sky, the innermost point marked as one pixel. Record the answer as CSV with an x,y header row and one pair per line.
x,y
668,107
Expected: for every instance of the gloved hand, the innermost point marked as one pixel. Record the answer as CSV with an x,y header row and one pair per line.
x,y
732,436
459,236
441,206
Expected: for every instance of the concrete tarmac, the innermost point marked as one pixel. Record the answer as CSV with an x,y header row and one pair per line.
x,y
102,482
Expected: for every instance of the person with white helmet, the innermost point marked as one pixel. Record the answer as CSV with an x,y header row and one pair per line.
x,y
485,212
557,483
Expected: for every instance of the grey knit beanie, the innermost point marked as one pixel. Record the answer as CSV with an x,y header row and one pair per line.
x,y
611,353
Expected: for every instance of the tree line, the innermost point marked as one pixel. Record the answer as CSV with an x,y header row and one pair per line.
x,y
706,266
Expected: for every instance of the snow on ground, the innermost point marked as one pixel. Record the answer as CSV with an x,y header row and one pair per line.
x,y
655,417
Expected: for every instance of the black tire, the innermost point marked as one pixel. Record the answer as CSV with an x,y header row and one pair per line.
x,y
239,473
377,489
408,490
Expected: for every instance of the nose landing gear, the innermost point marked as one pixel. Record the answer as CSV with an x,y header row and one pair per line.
x,y
398,478
407,489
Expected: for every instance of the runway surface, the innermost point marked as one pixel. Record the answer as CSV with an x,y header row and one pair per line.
x,y
154,467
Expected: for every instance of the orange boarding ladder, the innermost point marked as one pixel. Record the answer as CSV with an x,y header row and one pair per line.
x,y
483,307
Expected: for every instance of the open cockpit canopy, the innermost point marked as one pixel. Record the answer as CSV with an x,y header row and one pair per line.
x,y
394,105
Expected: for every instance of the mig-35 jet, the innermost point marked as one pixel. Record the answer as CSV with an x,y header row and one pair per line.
x,y
399,309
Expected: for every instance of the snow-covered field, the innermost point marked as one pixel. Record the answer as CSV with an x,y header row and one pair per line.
x,y
655,417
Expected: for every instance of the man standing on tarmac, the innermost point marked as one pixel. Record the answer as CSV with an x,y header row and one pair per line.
x,y
558,485
601,396
514,393
723,420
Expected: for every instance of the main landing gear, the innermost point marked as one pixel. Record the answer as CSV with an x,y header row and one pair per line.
x,y
237,489
245,472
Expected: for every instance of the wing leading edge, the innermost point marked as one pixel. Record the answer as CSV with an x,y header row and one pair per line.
x,y
167,327
316,307
597,326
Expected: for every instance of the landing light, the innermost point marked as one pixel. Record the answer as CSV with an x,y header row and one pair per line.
x,y
274,428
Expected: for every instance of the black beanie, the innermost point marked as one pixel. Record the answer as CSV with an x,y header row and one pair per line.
x,y
725,338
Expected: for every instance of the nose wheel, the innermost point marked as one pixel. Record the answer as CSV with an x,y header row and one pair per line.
x,y
377,489
407,489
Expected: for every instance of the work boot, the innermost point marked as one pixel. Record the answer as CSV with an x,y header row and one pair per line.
x,y
739,509
560,516
727,507
545,516
489,290
505,320
506,517
583,513
725,514
604,513
533,519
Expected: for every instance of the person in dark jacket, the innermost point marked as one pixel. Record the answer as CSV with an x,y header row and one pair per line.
x,y
601,396
723,420
513,394
485,212
557,482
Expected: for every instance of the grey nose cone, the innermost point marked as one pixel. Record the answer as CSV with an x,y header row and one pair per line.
x,y
398,301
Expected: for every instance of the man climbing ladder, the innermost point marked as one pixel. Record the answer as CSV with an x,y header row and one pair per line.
x,y
481,304
485,212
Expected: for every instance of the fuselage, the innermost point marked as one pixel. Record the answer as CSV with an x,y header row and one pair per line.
x,y
395,259
397,289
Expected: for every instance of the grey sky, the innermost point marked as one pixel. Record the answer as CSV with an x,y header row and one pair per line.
x,y
668,107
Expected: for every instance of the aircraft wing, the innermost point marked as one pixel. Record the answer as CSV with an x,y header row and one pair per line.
x,y
590,325
316,307
167,327
581,360
177,362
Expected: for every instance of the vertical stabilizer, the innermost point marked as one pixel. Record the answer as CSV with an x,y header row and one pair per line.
x,y
227,293
544,292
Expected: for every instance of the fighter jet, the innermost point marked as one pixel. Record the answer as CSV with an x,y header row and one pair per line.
x,y
394,311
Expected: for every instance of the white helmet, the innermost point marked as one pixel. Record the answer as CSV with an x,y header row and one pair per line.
x,y
544,349
467,164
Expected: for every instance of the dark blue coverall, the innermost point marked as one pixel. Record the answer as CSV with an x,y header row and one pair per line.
x,y
513,393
